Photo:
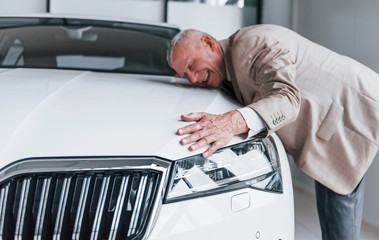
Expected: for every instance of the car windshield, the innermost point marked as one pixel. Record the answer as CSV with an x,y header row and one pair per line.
x,y
63,43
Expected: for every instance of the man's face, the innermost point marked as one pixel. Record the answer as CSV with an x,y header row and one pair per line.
x,y
202,65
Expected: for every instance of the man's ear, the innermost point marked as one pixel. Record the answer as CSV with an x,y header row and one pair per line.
x,y
208,41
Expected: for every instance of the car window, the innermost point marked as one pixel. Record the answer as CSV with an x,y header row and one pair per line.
x,y
85,44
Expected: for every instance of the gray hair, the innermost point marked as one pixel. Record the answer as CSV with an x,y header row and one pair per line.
x,y
184,37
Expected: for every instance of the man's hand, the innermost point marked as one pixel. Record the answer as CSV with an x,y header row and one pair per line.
x,y
216,130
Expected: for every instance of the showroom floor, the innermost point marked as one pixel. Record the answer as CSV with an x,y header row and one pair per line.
x,y
307,225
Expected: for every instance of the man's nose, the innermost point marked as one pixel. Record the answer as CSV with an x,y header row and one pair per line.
x,y
192,77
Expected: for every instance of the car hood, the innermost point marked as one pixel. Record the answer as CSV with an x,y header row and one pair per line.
x,y
50,113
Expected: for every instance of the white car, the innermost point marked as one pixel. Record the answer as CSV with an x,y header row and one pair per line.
x,y
89,110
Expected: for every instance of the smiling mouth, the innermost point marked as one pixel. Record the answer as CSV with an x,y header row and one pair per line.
x,y
206,77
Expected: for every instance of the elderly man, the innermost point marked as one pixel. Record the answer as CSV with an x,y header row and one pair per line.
x,y
324,107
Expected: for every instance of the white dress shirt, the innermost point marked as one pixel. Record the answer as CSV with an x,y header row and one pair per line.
x,y
254,122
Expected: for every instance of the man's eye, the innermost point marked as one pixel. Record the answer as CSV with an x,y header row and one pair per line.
x,y
184,75
189,67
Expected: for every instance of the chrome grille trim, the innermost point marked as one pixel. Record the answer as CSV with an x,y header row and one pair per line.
x,y
137,208
119,205
42,209
22,208
100,209
3,207
67,198
61,208
81,207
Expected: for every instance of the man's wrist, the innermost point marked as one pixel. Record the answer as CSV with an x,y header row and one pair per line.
x,y
254,122
239,123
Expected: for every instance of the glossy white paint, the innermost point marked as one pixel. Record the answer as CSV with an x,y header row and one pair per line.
x,y
240,202
48,113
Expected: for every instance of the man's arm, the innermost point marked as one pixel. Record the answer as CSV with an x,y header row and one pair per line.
x,y
274,71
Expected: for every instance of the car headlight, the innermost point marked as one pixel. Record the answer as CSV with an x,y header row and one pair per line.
x,y
252,164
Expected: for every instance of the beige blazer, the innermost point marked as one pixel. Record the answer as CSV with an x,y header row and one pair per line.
x,y
324,106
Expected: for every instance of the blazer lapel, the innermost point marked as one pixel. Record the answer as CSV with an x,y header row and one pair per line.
x,y
225,45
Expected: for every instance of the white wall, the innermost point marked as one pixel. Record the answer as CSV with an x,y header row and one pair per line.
x,y
135,9
348,27
22,6
277,12
219,21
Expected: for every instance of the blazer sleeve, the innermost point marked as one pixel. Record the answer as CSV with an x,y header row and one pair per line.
x,y
273,70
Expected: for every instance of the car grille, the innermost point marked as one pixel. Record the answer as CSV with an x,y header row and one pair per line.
x,y
77,205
